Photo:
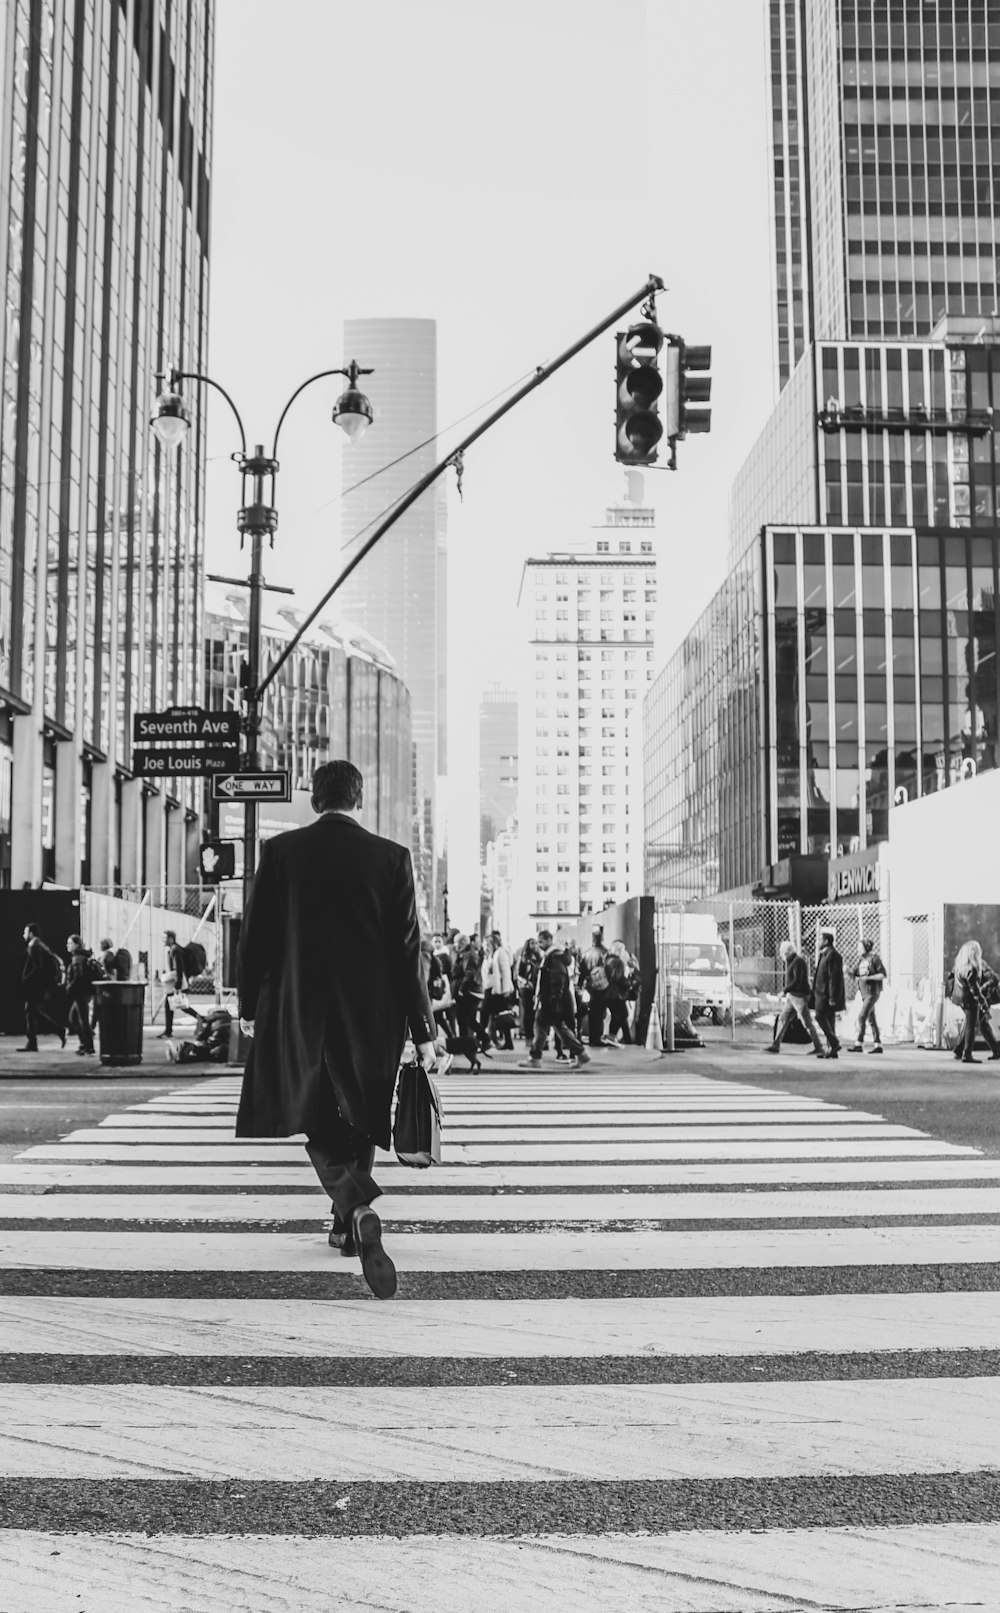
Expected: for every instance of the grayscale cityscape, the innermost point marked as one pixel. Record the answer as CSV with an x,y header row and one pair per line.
x,y
499,623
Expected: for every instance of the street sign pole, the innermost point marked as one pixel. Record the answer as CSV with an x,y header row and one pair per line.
x,y
258,520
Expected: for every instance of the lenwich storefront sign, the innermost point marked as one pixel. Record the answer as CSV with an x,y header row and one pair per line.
x,y
857,878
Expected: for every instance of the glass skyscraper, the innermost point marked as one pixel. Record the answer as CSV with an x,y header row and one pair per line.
x,y
863,535
105,145
399,591
884,117
338,695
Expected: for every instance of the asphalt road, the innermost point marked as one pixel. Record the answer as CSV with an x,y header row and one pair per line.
x,y
957,1103
42,1108
908,1086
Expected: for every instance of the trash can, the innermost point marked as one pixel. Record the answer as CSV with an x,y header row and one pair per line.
x,y
119,1019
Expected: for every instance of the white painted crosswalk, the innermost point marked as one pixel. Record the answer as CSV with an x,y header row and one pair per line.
x,y
661,1342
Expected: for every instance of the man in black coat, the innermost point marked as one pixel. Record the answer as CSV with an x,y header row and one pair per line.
x,y
329,975
796,1000
829,995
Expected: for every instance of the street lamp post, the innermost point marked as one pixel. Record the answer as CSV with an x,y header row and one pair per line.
x,y
257,519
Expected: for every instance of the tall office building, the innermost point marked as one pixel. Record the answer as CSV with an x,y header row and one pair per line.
x,y
497,762
588,614
105,145
399,591
338,694
886,198
854,662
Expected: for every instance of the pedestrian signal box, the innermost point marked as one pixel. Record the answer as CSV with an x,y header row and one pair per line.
x,y
218,861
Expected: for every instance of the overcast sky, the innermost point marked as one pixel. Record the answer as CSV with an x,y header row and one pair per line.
x,y
512,169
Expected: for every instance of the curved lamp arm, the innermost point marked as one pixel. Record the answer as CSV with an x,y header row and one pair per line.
x,y
206,380
320,376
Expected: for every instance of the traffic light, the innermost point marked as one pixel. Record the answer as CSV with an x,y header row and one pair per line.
x,y
638,427
218,861
687,390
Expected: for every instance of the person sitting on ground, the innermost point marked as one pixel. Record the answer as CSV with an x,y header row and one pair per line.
x,y
210,1041
796,1000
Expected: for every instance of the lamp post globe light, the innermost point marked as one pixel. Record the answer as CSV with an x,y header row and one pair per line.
x,y
257,519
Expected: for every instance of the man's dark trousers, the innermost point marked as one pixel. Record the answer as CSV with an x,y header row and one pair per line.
x,y
595,1017
826,1019
543,1024
342,1159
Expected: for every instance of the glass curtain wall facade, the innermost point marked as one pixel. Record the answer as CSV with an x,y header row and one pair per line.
x,y
704,749
885,193
399,592
338,695
105,143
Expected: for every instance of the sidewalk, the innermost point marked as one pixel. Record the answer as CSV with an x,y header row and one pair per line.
x,y
52,1062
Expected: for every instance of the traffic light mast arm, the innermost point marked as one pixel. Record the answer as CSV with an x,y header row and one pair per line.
x,y
543,372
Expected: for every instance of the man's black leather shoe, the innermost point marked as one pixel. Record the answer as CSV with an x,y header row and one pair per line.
x,y
379,1271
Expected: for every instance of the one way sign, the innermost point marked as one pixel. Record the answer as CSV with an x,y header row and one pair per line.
x,y
272,786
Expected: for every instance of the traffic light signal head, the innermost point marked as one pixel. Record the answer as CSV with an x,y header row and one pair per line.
x,y
638,427
217,861
687,390
696,389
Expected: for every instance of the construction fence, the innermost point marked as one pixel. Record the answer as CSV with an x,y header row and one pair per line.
x,y
138,918
722,957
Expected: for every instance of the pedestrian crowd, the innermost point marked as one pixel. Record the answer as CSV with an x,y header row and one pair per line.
x,y
60,993
971,986
483,995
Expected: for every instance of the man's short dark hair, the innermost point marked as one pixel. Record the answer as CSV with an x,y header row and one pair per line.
x,y
337,787
545,935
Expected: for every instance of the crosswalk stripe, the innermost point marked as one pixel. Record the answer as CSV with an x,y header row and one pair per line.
x,y
589,1328
647,1302
428,1208
636,1432
697,1571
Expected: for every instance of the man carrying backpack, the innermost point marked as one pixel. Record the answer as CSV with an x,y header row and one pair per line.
x,y
594,980
554,1008
41,990
184,963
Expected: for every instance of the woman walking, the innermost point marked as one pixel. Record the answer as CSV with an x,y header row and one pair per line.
x,y
967,994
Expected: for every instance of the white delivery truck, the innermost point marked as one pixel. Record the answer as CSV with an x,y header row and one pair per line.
x,y
693,955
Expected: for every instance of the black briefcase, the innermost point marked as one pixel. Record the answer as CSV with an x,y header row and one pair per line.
x,y
416,1128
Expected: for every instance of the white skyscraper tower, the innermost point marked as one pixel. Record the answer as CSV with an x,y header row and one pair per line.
x,y
588,614
398,593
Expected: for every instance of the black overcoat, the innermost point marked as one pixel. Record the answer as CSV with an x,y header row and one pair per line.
x,y
329,971
828,981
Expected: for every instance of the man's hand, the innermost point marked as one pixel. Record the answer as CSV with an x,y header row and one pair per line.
x,y
427,1055
246,1026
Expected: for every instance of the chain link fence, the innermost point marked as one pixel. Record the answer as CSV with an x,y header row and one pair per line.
x,y
722,961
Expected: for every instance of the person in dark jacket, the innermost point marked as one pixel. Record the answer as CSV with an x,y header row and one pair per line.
x,y
796,999
554,1006
528,965
829,993
968,994
617,969
467,987
41,990
594,981
869,976
82,971
329,976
